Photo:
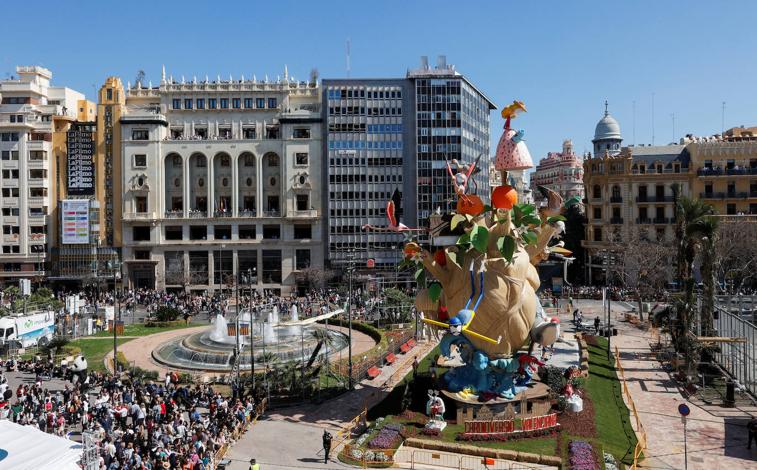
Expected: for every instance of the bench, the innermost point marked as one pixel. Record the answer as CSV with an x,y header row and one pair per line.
x,y
373,372
390,358
405,348
411,342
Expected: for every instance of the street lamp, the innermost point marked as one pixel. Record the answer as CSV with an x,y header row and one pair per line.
x,y
252,343
115,266
350,271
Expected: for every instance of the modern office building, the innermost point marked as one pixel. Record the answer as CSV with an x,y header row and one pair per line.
x,y
221,178
561,172
382,135
34,120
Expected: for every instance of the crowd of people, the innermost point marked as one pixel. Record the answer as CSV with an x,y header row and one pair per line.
x,y
137,424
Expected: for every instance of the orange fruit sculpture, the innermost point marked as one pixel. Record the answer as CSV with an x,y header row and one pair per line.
x,y
470,204
504,197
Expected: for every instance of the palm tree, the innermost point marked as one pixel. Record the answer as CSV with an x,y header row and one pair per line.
x,y
324,339
705,232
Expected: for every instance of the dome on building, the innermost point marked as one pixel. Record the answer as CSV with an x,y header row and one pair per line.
x,y
607,127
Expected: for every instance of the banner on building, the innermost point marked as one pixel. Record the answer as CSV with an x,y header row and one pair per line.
x,y
75,221
81,165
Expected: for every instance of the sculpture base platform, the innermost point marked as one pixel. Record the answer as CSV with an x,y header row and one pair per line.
x,y
534,400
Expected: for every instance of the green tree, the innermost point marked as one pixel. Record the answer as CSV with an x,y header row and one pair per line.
x,y
704,232
574,234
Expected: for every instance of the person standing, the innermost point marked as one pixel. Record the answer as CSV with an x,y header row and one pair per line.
x,y
254,465
326,446
596,325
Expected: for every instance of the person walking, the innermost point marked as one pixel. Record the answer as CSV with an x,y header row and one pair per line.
x,y
254,465
326,446
596,325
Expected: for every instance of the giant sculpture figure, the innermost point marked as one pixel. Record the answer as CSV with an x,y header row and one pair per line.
x,y
489,281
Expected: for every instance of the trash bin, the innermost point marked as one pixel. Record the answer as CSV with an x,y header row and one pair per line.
x,y
730,394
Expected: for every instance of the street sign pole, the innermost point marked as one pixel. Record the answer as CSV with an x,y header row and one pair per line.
x,y
684,410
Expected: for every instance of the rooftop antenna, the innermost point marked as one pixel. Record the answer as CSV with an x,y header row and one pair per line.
x,y
634,122
722,119
652,118
348,58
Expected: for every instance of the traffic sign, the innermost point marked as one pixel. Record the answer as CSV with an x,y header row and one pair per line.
x,y
683,409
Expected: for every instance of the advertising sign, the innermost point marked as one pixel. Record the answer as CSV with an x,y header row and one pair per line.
x,y
75,222
81,166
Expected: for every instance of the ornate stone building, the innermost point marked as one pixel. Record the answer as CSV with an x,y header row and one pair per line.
x,y
561,172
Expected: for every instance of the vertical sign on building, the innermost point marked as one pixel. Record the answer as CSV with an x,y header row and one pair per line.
x,y
81,166
75,223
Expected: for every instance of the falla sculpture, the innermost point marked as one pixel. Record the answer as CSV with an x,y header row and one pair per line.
x,y
487,282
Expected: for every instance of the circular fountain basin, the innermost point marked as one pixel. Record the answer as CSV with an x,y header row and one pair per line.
x,y
212,351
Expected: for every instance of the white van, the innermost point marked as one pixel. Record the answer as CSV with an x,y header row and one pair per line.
x,y
27,330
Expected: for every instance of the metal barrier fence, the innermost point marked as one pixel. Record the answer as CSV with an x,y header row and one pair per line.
x,y
738,359
641,434
435,459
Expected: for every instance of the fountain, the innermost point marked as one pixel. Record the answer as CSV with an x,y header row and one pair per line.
x,y
213,350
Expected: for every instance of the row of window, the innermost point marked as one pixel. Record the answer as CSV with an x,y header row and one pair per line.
x,y
360,195
381,162
361,111
9,136
371,94
369,212
361,144
383,178
223,103
221,232
33,174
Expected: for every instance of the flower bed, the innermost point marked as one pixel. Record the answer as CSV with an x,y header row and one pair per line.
x,y
581,456
387,438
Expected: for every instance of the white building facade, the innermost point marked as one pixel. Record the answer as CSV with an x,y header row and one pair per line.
x,y
28,111
222,179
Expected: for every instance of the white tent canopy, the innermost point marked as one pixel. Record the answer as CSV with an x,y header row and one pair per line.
x,y
28,448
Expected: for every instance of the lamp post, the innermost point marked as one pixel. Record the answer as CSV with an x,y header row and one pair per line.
x,y
350,270
252,342
116,267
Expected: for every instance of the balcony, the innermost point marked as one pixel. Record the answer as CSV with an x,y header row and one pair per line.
x,y
11,238
616,220
221,214
712,195
37,237
654,198
311,213
140,216
247,213
197,214
643,220
10,183
174,214
616,199
737,195
10,202
718,171
661,220
9,164
35,217
37,201
271,213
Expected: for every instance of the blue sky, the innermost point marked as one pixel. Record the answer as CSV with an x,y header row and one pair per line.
x,y
562,58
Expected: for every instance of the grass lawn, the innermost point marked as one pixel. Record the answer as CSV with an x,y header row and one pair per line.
x,y
611,416
142,330
96,349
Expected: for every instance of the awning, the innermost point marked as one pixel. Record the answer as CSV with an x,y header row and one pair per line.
x,y
28,448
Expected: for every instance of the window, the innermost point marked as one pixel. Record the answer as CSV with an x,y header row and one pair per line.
x,y
248,103
175,103
212,103
301,158
223,266
188,103
236,103
597,234
140,234
140,134
271,232
140,203
302,259
272,103
616,192
174,233
271,266
246,232
303,202
177,203
303,232
198,267
200,103
248,202
140,161
301,133
198,232
597,192
249,133
247,266
109,94
597,212
224,103
730,209
260,103
273,205
222,232
37,155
